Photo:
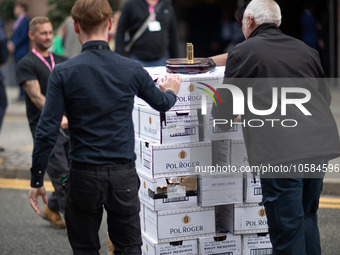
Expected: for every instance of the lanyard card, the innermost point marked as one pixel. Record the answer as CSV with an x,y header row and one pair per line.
x,y
154,26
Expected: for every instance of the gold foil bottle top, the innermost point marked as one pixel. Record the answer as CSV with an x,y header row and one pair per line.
x,y
190,53
189,65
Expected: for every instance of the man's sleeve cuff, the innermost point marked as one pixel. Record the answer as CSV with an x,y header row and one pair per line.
x,y
37,179
170,92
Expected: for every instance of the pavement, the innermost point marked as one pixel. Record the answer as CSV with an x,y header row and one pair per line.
x,y
23,232
16,138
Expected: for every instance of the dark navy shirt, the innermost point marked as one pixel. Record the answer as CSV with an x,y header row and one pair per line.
x,y
96,89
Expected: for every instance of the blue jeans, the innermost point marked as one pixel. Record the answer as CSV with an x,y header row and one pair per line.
x,y
291,206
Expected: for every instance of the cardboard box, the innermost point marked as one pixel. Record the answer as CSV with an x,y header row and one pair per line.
x,y
183,247
177,225
135,120
220,189
221,152
220,244
190,93
138,152
242,218
168,193
238,153
173,160
252,189
231,153
160,71
171,127
210,133
256,244
142,216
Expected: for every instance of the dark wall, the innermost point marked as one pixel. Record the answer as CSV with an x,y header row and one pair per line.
x,y
202,21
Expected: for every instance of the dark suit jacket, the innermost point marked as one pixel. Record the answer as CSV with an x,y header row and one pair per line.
x,y
3,46
20,39
270,60
3,43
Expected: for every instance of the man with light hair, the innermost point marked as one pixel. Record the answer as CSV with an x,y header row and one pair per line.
x,y
96,90
33,72
262,11
266,65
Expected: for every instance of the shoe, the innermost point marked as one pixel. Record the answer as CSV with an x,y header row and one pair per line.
x,y
110,247
53,217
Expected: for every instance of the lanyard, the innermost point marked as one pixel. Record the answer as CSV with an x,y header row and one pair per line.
x,y
44,60
152,9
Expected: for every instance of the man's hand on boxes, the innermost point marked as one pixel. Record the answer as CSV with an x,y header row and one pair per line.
x,y
170,81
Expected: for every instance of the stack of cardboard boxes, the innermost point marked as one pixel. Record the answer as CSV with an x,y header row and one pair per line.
x,y
186,209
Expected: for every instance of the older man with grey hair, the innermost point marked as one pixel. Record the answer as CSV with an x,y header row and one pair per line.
x,y
287,123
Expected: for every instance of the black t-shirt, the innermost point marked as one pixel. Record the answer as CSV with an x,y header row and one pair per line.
x,y
31,67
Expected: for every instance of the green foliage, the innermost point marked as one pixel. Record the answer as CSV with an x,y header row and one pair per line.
x,y
6,10
60,9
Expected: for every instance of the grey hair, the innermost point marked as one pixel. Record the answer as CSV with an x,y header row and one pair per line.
x,y
264,11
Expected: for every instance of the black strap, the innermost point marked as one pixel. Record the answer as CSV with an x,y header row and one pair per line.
x,y
143,27
96,47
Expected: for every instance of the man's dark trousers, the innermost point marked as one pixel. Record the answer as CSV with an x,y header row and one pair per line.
x,y
291,206
90,189
58,164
